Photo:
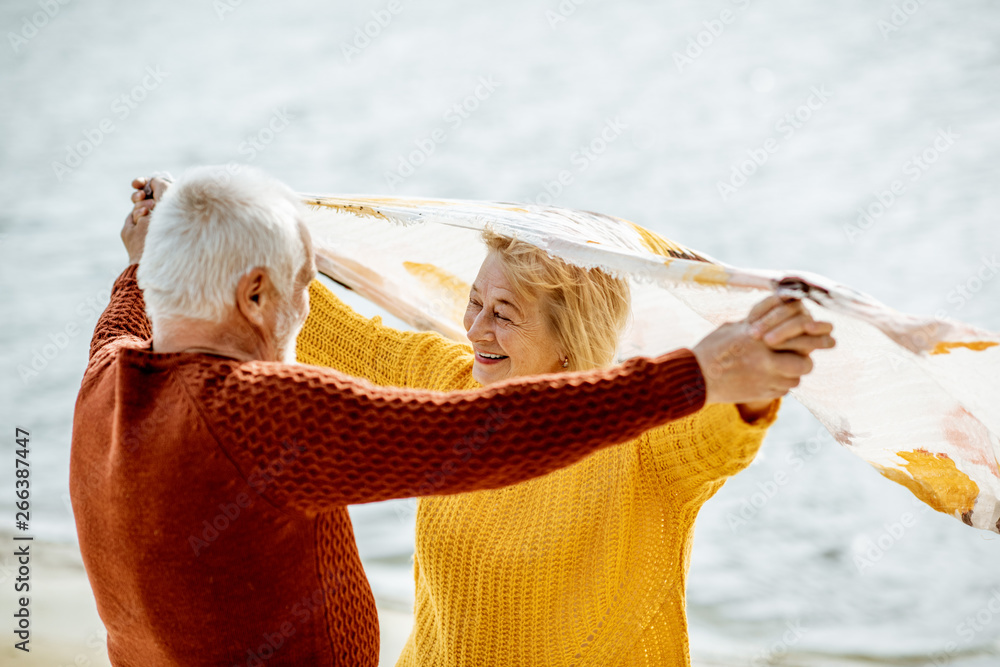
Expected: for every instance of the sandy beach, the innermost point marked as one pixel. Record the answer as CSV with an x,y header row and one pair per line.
x,y
66,630
65,627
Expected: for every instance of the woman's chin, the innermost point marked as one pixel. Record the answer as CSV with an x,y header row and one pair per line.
x,y
486,374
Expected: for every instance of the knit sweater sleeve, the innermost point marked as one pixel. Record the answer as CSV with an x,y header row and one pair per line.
x,y
335,336
125,315
314,439
693,456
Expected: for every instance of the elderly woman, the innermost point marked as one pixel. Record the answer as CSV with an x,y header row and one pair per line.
x,y
583,566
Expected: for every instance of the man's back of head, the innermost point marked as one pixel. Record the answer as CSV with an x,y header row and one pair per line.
x,y
210,231
211,227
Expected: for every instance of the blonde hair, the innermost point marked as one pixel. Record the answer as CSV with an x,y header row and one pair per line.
x,y
586,309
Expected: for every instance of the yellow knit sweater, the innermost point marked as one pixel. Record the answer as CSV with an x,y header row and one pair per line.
x,y
584,566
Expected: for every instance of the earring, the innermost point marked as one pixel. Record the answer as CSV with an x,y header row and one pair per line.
x,y
565,362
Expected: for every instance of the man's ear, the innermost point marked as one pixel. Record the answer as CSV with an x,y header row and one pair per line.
x,y
252,293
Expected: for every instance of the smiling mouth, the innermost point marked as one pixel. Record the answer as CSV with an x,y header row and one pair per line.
x,y
490,357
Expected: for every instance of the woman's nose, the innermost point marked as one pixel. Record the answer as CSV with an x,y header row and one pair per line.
x,y
480,329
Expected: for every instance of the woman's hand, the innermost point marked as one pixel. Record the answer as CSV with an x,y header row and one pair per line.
x,y
784,326
148,192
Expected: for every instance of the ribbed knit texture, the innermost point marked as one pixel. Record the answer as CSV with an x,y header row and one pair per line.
x,y
210,494
584,566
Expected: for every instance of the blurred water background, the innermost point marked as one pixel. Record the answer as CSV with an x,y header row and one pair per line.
x,y
647,107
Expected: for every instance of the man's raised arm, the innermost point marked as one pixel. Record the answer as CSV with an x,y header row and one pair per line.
x,y
125,316
313,439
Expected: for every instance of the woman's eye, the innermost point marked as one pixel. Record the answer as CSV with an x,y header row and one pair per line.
x,y
500,317
474,304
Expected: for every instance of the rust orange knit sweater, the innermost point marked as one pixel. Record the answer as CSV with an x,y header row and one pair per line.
x,y
210,494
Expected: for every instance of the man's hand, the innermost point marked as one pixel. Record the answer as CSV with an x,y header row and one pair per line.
x,y
759,359
147,193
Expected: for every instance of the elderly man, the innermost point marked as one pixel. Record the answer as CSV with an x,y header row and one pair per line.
x,y
210,476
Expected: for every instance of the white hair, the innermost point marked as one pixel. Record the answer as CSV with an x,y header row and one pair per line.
x,y
211,228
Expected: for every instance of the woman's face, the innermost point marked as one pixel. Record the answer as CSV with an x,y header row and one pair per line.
x,y
510,336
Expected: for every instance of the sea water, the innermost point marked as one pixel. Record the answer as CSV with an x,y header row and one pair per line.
x,y
856,139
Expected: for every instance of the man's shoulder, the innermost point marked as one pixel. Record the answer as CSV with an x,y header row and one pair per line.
x,y
207,377
107,357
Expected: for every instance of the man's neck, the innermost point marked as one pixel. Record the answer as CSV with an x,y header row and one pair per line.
x,y
188,335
